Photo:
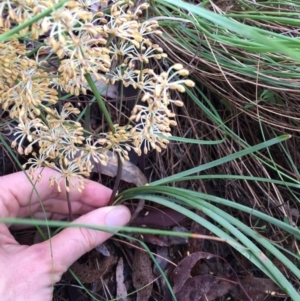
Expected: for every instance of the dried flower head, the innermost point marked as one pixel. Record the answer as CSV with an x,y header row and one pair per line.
x,y
115,46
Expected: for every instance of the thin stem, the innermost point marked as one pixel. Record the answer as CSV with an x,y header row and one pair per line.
x,y
112,128
100,102
121,101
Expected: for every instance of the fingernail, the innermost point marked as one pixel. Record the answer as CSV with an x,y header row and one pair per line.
x,y
118,216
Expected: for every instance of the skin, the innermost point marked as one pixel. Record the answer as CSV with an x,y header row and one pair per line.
x,y
29,272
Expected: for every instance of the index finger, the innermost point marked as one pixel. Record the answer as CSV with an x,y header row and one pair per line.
x,y
17,191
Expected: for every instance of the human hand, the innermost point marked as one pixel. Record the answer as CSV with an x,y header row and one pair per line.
x,y
29,272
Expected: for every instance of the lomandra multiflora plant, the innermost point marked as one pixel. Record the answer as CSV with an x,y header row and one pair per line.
x,y
83,38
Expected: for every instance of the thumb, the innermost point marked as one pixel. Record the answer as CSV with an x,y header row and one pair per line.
x,y
72,243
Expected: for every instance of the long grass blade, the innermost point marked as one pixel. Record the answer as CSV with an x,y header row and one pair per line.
x,y
220,161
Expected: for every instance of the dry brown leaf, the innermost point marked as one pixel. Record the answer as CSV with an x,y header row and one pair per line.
x,y
196,287
110,91
218,289
183,270
142,275
162,259
130,172
257,288
121,288
90,274
162,218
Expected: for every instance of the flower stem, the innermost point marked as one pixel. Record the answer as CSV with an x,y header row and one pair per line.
x,y
100,101
69,202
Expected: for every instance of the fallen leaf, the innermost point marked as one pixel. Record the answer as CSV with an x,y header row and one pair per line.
x,y
142,275
130,172
163,218
256,288
194,288
102,249
217,290
121,288
110,91
88,274
162,259
183,270
156,240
